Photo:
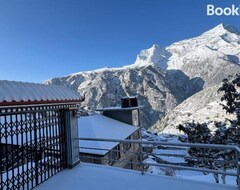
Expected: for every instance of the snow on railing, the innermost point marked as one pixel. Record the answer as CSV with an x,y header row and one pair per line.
x,y
158,154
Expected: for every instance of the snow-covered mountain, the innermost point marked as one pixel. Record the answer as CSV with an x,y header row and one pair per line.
x,y
164,77
202,107
206,56
215,55
103,88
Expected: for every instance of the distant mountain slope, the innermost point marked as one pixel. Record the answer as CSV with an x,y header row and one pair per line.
x,y
164,77
105,88
202,107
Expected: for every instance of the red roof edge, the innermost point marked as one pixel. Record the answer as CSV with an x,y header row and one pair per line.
x,y
25,103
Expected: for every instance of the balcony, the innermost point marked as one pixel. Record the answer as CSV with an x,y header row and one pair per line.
x,y
102,177
98,177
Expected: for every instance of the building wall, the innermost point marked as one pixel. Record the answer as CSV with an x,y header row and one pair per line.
x,y
129,116
90,158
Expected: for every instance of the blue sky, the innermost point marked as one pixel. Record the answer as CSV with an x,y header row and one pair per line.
x,y
41,39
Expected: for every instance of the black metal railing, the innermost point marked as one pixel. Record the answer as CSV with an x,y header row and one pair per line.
x,y
32,146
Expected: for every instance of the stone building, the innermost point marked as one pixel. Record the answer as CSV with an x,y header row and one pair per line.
x,y
111,123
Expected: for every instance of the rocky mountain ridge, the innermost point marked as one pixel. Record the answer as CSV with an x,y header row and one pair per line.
x,y
164,77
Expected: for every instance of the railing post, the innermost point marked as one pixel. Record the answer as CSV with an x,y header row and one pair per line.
x,y
1,165
238,169
72,144
35,147
140,145
141,158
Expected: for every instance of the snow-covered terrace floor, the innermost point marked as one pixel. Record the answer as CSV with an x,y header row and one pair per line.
x,y
96,177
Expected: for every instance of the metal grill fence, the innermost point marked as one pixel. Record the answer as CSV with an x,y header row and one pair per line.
x,y
32,146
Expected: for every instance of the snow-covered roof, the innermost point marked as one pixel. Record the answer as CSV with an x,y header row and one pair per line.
x,y
118,108
18,93
99,126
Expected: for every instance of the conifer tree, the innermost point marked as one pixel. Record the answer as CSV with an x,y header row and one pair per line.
x,y
200,133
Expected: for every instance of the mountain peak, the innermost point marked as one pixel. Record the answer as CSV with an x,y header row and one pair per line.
x,y
222,29
155,46
222,39
155,55
231,29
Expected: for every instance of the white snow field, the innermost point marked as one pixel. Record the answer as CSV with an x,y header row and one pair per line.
x,y
98,177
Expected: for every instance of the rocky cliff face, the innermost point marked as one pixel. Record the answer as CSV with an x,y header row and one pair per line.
x,y
104,88
173,82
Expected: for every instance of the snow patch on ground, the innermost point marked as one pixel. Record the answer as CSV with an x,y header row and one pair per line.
x,y
92,177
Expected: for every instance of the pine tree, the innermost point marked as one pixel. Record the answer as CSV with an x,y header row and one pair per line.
x,y
200,133
231,95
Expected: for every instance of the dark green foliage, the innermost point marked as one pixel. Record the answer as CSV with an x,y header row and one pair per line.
x,y
200,133
231,96
203,157
196,133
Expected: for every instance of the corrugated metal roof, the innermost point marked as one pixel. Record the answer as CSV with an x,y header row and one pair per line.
x,y
15,93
